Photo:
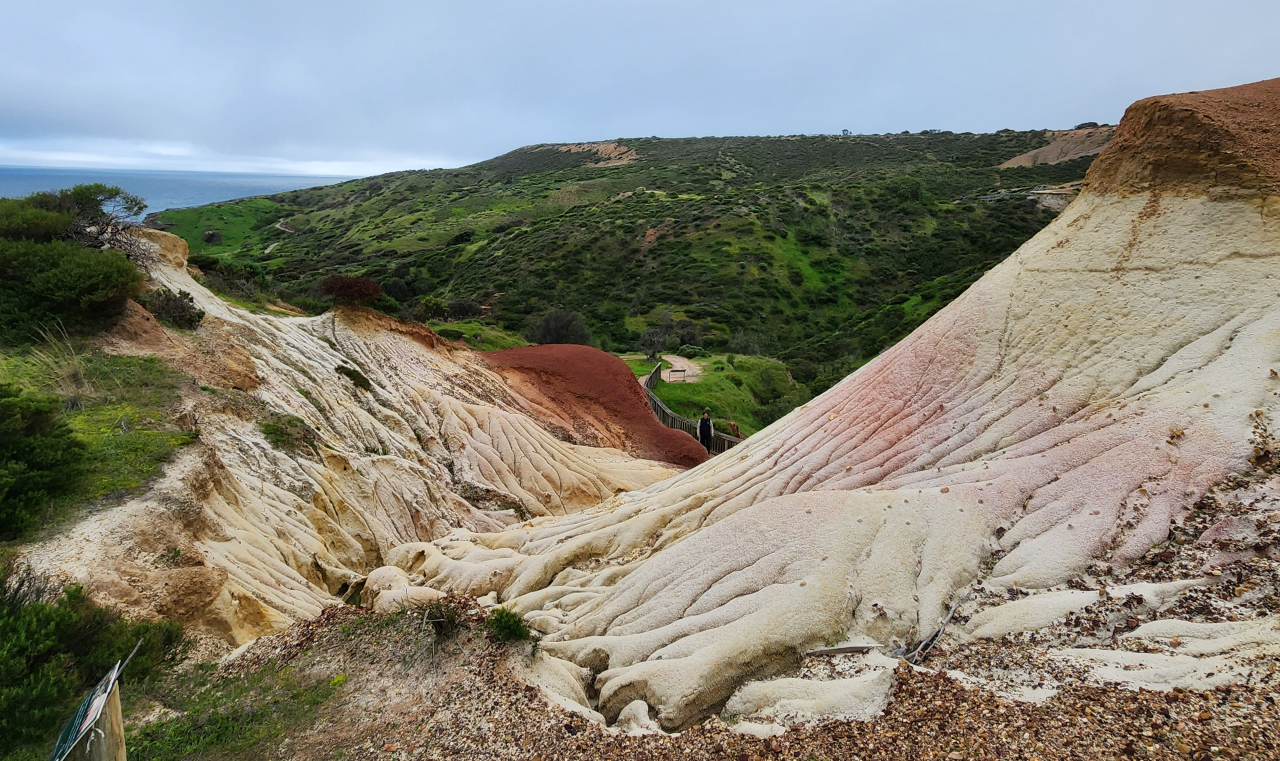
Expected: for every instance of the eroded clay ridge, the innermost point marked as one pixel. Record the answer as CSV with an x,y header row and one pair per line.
x,y
242,536
1061,413
1225,140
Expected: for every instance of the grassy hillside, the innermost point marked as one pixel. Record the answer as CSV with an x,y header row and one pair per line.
x,y
819,251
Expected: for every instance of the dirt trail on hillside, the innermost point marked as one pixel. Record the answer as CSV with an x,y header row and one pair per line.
x,y
691,369
590,397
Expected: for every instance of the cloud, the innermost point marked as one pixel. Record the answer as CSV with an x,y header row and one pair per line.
x,y
98,153
323,85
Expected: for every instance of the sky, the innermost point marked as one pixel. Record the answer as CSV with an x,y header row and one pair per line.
x,y
359,88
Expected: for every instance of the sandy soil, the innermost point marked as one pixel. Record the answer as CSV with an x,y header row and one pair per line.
x,y
591,397
1066,145
691,369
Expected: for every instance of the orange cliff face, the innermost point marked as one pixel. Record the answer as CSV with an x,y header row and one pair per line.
x,y
1059,415
1215,141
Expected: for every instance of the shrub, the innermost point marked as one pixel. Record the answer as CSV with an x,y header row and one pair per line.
x,y
428,308
689,351
177,310
39,457
507,626
446,620
350,289
55,644
287,432
397,289
356,377
61,281
461,238
561,327
463,309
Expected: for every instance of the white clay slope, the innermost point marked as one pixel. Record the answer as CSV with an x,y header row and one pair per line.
x,y
265,536
1063,411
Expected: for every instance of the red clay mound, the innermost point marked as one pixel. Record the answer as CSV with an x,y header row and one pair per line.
x,y
595,398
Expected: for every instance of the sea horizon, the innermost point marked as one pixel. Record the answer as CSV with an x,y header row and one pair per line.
x,y
161,188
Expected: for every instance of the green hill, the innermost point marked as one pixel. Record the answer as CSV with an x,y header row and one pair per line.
x,y
817,250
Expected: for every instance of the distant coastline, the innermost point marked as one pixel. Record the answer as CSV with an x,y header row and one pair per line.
x,y
162,189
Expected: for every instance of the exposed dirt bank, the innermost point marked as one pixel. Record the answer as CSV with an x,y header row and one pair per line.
x,y
593,398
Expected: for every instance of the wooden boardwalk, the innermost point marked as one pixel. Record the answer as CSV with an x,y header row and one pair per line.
x,y
720,442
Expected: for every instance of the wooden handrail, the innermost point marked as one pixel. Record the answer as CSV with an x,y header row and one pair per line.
x,y
720,442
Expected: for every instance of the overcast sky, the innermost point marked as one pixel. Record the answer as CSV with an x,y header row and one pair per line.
x,y
357,88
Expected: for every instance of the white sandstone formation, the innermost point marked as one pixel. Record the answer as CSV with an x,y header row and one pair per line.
x,y
267,536
1060,414
1063,411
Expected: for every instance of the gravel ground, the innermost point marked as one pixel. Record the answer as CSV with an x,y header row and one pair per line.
x,y
407,696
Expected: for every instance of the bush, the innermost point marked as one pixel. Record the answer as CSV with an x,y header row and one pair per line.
x,y
61,281
55,644
39,457
507,626
561,327
287,432
356,377
689,351
463,309
176,310
446,620
428,308
350,289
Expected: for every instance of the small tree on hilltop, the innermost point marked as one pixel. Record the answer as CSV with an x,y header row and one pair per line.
x,y
562,327
350,289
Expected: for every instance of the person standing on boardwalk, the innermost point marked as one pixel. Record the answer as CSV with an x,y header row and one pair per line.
x,y
706,430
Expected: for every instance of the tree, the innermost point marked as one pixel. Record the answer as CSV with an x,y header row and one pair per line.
x,y
350,289
654,339
100,216
561,327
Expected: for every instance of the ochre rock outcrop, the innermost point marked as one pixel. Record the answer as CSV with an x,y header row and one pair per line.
x,y
594,398
1061,413
240,537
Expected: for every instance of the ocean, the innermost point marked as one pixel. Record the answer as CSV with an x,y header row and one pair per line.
x,y
162,190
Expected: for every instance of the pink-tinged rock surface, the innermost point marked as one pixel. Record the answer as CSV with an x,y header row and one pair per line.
x,y
1062,412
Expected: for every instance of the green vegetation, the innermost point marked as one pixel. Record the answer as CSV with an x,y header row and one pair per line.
x,y
287,432
177,310
39,457
119,409
818,251
55,645
356,377
236,223
77,424
561,327
480,336
641,367
750,392
445,619
51,271
231,718
507,626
